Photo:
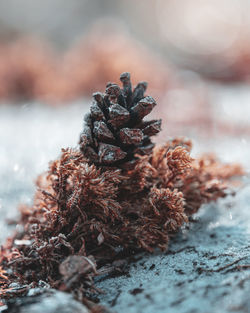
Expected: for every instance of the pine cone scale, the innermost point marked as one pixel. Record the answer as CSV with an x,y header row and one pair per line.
x,y
102,132
131,136
118,115
153,128
127,87
108,153
144,107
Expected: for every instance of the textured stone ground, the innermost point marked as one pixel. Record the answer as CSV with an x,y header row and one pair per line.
x,y
203,269
199,272
51,301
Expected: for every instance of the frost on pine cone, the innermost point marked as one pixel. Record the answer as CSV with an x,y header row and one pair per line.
x,y
114,129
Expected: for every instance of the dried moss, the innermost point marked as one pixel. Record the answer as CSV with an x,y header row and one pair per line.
x,y
84,214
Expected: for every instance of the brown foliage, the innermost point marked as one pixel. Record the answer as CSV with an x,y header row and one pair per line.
x,y
84,213
80,209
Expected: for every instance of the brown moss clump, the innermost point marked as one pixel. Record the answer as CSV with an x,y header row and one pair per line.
x,y
86,215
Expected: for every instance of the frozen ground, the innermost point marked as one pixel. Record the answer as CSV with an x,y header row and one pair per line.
x,y
30,136
202,271
199,272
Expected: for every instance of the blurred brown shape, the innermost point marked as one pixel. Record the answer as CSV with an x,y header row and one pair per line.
x,y
102,56
23,64
30,69
235,63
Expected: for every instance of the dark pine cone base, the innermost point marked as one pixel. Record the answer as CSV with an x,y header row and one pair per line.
x,y
114,129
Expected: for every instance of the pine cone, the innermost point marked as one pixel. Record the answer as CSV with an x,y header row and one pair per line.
x,y
114,129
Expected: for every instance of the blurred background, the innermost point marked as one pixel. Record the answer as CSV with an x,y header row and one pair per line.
x,y
195,55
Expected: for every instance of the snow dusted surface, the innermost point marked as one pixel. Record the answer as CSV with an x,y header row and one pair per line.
x,y
195,275
191,276
31,135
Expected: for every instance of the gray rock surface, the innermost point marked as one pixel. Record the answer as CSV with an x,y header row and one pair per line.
x,y
51,301
203,270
